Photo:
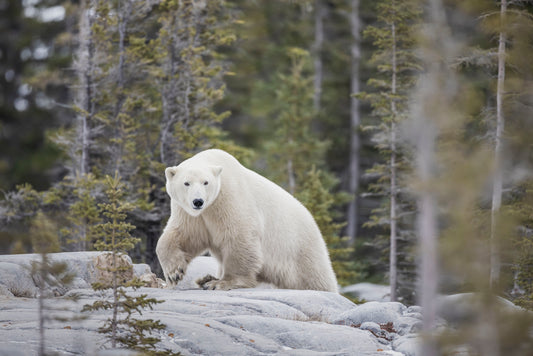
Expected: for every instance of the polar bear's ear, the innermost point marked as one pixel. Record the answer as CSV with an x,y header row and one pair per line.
x,y
170,172
216,170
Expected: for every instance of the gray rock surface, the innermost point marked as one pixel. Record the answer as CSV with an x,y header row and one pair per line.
x,y
368,292
464,306
238,322
377,312
17,279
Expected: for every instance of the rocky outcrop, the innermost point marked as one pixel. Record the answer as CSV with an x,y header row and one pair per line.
x,y
255,321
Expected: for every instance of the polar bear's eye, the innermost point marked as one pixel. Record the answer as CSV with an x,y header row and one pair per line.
x,y
186,184
206,183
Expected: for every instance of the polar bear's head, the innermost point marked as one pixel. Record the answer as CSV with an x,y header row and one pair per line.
x,y
193,189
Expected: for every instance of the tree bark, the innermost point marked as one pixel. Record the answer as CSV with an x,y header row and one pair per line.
x,y
291,177
124,11
495,264
319,40
84,67
353,171
84,101
435,89
393,263
168,94
427,231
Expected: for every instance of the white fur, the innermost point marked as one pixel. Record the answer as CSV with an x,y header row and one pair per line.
x,y
256,230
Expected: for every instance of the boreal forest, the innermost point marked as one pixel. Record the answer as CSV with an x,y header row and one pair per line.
x,y
405,127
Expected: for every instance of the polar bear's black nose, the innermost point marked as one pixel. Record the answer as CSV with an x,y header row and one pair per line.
x,y
198,203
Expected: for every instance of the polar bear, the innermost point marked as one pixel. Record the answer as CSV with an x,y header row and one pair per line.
x,y
255,229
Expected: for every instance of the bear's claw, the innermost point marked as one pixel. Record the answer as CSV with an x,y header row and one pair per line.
x,y
203,282
176,276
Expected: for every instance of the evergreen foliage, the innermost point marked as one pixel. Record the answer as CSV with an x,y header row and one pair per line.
x,y
189,71
17,210
114,236
320,201
519,209
82,215
49,275
295,154
503,87
296,148
394,38
29,46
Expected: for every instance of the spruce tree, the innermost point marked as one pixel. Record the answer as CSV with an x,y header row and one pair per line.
x,y
121,329
314,195
394,39
296,148
519,209
82,214
17,210
188,73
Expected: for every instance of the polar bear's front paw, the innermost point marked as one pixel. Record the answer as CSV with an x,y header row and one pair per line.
x,y
204,280
218,284
211,283
174,276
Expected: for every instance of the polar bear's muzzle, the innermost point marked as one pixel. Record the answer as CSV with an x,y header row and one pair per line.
x,y
198,204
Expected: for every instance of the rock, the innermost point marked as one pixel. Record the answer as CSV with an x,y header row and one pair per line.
x,y
5,292
79,263
414,309
78,283
140,269
151,280
104,265
314,305
17,279
382,335
377,312
406,325
15,271
238,322
408,345
462,307
368,292
253,321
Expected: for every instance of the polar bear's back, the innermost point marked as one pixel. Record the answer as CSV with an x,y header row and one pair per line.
x,y
241,181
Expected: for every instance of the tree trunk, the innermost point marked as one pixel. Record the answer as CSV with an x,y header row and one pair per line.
x,y
427,232
84,67
84,101
426,134
124,11
353,171
498,173
319,39
393,273
429,274
434,93
291,177
168,96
